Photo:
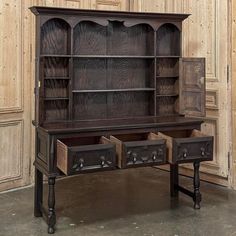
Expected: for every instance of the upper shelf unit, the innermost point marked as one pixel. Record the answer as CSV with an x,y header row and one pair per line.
x,y
90,38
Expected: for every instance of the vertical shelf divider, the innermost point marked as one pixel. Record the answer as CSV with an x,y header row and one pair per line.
x,y
155,72
71,69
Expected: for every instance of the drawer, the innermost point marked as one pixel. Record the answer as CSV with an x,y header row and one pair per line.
x,y
139,149
75,155
193,147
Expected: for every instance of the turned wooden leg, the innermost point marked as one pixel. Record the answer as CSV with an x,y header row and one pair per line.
x,y
196,183
51,205
174,180
38,193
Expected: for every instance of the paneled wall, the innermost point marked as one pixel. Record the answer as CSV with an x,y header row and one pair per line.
x,y
233,66
205,35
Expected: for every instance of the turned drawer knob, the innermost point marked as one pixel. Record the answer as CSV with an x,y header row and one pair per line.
x,y
81,163
102,158
185,151
132,155
203,151
154,155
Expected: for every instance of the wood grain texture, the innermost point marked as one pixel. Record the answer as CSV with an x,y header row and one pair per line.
x,y
90,106
167,86
130,104
167,67
11,157
56,110
233,64
11,49
130,73
89,38
90,74
166,106
56,88
136,40
55,35
168,40
56,67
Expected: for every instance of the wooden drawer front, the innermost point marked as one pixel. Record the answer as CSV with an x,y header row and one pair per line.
x,y
76,159
144,153
143,149
190,149
193,147
89,158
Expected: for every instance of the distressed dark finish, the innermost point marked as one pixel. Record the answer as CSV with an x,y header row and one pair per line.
x,y
51,205
196,183
108,82
75,155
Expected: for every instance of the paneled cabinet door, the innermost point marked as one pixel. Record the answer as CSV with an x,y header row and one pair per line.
x,y
192,86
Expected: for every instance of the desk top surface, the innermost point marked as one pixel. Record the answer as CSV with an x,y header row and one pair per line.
x,y
118,124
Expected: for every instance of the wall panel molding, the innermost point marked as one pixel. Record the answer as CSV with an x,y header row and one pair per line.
x,y
204,43
11,146
212,99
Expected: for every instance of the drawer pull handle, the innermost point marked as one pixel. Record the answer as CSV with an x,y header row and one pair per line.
x,y
154,155
81,163
102,158
132,155
185,151
203,151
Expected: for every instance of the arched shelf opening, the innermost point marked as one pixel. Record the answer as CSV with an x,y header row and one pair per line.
x,y
55,37
168,40
89,38
134,40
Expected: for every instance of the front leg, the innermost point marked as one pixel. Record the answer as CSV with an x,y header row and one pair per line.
x,y
51,205
196,183
38,193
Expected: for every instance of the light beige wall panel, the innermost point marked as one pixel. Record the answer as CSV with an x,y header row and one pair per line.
x,y
11,83
111,5
233,65
11,148
16,76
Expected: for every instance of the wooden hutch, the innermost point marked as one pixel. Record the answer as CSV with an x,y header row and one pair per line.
x,y
113,91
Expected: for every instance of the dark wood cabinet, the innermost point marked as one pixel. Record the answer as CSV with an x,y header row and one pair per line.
x,y
113,91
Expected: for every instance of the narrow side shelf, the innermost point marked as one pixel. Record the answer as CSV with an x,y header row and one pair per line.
x,y
55,98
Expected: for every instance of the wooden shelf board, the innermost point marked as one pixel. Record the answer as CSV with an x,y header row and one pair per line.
x,y
167,57
167,95
113,90
57,78
56,98
168,76
113,56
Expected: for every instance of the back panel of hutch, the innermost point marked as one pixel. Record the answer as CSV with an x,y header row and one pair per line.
x,y
112,91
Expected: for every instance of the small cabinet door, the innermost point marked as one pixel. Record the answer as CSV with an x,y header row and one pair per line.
x,y
192,86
